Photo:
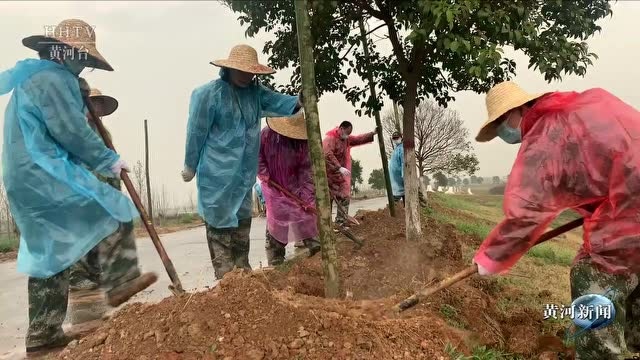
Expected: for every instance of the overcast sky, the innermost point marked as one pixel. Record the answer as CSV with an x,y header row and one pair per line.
x,y
161,51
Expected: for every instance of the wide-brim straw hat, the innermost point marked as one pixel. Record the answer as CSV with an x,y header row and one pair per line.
x,y
244,58
73,33
109,104
293,126
502,98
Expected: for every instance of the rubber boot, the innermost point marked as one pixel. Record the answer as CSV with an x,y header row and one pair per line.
x,y
124,292
86,305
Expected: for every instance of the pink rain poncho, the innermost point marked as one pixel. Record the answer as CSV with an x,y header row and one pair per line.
x,y
337,154
286,162
579,151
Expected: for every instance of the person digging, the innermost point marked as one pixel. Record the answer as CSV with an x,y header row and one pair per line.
x,y
337,151
284,160
86,298
223,141
578,151
62,210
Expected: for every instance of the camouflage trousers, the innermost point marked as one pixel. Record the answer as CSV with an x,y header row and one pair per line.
x,y
340,216
48,297
621,338
276,250
229,247
85,274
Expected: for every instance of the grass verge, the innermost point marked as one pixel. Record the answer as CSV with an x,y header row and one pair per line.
x,y
8,243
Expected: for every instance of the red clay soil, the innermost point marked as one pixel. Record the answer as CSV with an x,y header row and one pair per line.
x,y
281,314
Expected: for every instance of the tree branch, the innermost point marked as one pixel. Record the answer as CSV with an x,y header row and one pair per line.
x,y
358,42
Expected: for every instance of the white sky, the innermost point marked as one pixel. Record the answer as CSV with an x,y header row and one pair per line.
x,y
160,51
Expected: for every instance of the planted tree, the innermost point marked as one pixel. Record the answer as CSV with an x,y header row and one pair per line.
x,y
327,241
449,46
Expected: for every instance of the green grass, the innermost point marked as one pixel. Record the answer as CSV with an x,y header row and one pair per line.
x,y
480,353
547,253
8,243
550,253
451,315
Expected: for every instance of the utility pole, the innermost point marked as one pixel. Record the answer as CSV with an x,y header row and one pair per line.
x,y
146,170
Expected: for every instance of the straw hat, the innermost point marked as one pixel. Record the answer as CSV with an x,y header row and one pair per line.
x,y
502,98
71,33
108,104
293,127
244,58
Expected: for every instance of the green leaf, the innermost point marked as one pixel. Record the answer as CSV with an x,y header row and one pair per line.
x,y
520,11
454,46
450,17
518,35
467,44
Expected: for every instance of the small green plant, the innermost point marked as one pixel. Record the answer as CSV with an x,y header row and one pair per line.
x,y
451,316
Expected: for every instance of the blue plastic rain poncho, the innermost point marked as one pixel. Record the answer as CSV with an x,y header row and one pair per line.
x,y
258,188
396,171
223,140
61,209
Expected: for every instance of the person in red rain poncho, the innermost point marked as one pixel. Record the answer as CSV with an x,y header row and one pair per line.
x,y
578,151
337,151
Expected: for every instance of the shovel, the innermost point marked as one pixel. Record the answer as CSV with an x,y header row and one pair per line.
x,y
473,269
176,285
306,207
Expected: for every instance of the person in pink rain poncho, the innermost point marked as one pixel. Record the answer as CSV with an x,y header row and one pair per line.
x,y
578,151
284,168
337,151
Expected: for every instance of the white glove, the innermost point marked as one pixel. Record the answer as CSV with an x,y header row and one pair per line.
x,y
345,172
482,271
117,168
187,174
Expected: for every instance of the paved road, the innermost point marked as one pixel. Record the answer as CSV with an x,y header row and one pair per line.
x,y
187,249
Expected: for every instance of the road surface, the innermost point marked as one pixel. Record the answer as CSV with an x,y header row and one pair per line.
x,y
188,251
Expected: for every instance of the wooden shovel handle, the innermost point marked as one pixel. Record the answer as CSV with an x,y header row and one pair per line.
x,y
176,285
473,269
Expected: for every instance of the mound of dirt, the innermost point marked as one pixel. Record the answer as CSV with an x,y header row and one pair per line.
x,y
278,314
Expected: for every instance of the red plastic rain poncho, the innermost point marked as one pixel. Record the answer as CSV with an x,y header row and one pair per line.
x,y
337,154
579,151
286,162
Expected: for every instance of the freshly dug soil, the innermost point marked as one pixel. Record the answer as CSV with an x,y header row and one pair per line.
x,y
282,314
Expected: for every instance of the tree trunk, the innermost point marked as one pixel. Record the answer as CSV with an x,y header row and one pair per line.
x,y
146,170
397,116
411,186
323,204
383,153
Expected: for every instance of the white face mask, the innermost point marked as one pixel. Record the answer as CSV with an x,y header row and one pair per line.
x,y
397,141
344,136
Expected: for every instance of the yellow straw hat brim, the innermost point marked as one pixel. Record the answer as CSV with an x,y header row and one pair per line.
x,y
257,69
83,41
109,104
244,58
501,99
293,127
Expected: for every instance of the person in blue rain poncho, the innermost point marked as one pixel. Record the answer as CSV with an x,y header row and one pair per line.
x,y
223,141
396,167
261,204
62,210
